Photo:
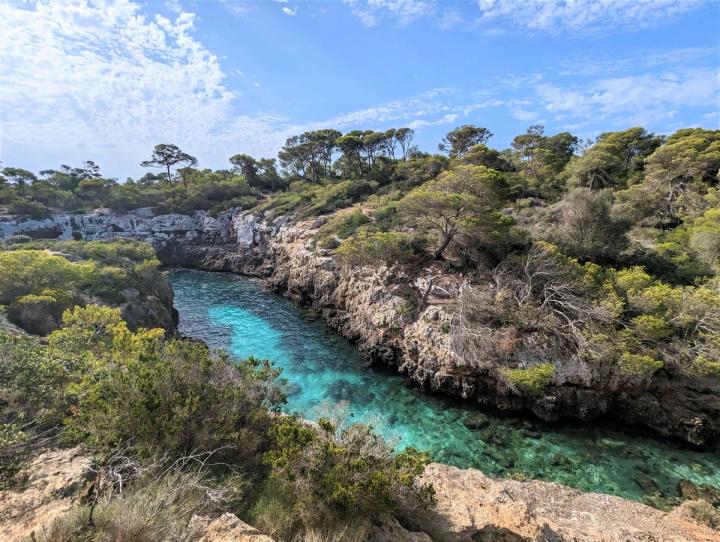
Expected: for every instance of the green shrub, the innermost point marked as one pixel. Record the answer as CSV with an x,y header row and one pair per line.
x,y
176,396
336,196
651,327
18,239
705,513
329,475
118,252
34,379
39,313
639,364
531,380
704,366
31,271
340,227
14,451
28,209
368,248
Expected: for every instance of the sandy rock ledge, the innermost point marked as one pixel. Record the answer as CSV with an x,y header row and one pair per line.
x,y
476,508
55,479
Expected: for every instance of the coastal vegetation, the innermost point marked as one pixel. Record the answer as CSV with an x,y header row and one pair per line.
x,y
605,250
175,428
601,254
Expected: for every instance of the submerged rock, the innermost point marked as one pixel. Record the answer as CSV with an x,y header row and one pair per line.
x,y
476,420
694,492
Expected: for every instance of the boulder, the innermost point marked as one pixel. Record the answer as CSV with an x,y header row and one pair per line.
x,y
229,528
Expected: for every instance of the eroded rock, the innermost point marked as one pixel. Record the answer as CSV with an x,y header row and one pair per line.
x,y
228,528
472,507
54,482
397,319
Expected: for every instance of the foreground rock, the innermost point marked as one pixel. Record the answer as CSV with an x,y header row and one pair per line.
x,y
474,507
397,317
470,507
54,481
228,528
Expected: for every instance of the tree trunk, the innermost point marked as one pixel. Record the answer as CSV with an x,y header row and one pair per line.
x,y
446,241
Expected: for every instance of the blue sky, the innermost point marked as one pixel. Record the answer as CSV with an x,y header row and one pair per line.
x,y
107,80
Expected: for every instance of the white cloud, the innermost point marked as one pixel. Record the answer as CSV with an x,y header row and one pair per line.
x,y
239,9
290,11
599,65
174,6
559,15
645,99
371,12
539,15
104,82
450,118
524,115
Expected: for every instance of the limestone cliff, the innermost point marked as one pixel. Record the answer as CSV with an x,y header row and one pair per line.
x,y
395,316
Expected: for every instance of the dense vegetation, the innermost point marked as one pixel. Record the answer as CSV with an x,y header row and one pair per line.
x,y
176,429
607,251
41,279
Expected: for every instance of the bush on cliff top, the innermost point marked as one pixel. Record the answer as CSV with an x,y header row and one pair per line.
x,y
367,248
325,475
60,274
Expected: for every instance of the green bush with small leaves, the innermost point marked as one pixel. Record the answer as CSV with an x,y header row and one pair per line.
x,y
375,247
532,380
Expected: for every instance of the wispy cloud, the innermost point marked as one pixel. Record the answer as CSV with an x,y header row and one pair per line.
x,y
82,75
561,15
371,12
105,82
291,12
645,99
497,17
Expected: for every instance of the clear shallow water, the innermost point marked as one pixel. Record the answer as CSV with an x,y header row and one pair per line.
x,y
326,374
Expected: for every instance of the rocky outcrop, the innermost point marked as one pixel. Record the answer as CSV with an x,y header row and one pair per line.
x,y
226,528
54,482
473,507
395,316
469,507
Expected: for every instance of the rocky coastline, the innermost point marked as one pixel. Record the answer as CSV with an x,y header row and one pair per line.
x,y
469,507
395,316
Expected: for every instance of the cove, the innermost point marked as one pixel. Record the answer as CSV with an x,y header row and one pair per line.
x,y
325,373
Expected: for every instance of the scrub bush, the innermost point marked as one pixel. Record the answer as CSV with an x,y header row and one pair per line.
x,y
531,380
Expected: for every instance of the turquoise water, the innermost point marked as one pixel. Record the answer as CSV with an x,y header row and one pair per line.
x,y
326,375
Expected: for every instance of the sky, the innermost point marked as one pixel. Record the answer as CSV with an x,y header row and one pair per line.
x,y
108,80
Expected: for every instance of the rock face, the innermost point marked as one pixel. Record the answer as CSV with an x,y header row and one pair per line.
x,y
228,528
470,507
55,479
474,507
394,318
